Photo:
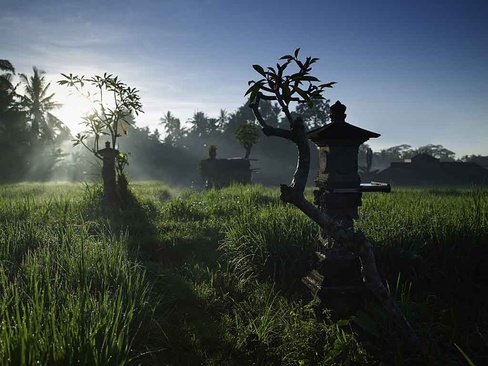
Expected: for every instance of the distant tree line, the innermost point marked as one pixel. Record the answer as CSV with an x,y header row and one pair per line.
x,y
30,136
35,145
234,134
399,153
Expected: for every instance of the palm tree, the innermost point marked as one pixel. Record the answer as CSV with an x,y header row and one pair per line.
x,y
5,83
172,127
39,103
222,120
201,124
7,90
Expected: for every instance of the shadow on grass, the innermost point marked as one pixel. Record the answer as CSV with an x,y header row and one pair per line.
x,y
182,328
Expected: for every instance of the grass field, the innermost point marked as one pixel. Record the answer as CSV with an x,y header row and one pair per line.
x,y
182,277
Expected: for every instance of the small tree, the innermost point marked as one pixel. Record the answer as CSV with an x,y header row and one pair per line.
x,y
115,103
248,135
212,151
301,87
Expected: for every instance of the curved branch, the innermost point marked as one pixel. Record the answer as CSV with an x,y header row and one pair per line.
x,y
358,245
355,242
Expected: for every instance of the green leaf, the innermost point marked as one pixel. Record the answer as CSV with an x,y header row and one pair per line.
x,y
296,52
309,78
286,57
271,69
366,323
253,88
467,359
343,323
253,96
303,94
297,76
327,85
286,93
259,69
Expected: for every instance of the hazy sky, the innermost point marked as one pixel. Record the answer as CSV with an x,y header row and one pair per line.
x,y
414,71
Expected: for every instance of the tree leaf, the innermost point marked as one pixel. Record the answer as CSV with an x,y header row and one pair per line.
x,y
122,126
309,78
327,85
286,93
296,52
253,96
302,93
259,69
253,88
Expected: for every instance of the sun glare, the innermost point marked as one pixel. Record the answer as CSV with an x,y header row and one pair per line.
x,y
74,107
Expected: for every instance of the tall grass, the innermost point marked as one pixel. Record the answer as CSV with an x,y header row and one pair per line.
x,y
213,277
69,296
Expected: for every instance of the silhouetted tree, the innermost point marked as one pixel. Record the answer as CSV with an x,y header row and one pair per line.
x,y
7,90
243,114
396,153
317,116
39,102
399,153
222,120
275,85
6,77
15,142
172,128
202,125
437,151
115,103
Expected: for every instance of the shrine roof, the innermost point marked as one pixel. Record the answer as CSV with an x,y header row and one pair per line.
x,y
340,131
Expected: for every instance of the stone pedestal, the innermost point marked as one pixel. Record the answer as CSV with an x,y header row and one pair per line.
x,y
336,278
110,193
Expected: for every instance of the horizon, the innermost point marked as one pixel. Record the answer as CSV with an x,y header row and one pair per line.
x,y
422,66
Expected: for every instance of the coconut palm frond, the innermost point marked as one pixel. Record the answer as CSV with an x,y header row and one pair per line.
x,y
6,65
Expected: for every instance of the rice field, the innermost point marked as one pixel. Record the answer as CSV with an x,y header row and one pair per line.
x,y
188,277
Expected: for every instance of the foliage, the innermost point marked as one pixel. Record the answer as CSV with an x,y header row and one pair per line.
x,y
115,103
172,128
30,136
70,292
222,120
248,135
437,151
14,135
39,102
317,116
202,125
298,86
5,79
404,151
212,151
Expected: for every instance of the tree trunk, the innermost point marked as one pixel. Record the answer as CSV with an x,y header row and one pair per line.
x,y
248,151
355,242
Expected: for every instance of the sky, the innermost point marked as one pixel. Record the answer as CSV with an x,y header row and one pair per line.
x,y
414,71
